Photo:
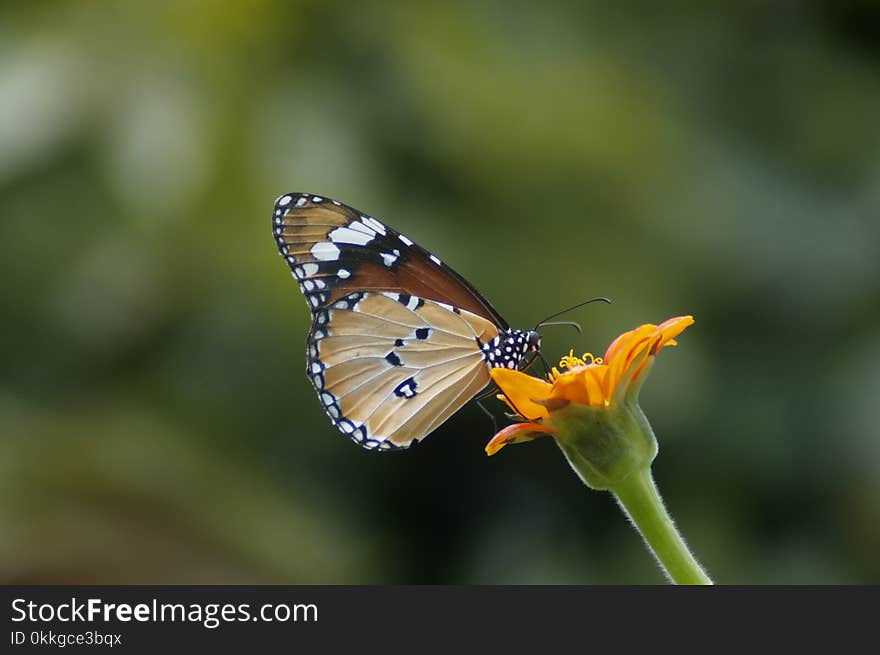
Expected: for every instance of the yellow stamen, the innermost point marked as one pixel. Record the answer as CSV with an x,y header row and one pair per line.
x,y
570,361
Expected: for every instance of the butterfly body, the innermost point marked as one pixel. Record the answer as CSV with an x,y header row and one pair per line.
x,y
399,341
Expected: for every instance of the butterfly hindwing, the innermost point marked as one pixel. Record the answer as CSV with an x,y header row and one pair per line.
x,y
389,368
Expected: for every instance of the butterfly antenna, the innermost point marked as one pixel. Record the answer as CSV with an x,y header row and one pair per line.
x,y
576,326
573,307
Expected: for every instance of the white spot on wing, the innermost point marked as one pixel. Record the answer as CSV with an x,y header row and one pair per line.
x,y
343,273
301,201
310,269
317,199
413,303
373,223
283,201
404,239
326,252
347,235
436,260
389,259
360,227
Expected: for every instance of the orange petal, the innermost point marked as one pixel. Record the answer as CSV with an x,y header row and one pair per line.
x,y
582,384
623,343
521,390
517,433
570,385
672,328
639,365
627,347
594,382
613,348
626,350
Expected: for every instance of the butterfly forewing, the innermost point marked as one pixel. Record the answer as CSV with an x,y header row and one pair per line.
x,y
333,250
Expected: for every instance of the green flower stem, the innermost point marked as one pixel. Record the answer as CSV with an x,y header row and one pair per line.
x,y
640,500
611,448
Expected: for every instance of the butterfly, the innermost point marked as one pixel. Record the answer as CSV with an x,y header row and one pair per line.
x,y
399,341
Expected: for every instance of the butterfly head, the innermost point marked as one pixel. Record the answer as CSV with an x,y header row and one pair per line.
x,y
509,347
533,341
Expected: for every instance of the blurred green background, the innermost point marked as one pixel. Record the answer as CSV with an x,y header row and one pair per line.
x,y
720,159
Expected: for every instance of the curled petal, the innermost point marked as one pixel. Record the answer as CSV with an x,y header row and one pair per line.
x,y
522,391
638,370
621,353
623,344
517,433
627,354
672,328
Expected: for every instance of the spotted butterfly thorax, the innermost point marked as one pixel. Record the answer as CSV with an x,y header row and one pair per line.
x,y
399,341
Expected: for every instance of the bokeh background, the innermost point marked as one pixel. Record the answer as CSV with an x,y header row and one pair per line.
x,y
714,158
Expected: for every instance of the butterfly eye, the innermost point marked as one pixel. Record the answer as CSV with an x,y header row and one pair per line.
x,y
533,339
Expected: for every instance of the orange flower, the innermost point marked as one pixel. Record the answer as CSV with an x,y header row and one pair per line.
x,y
608,383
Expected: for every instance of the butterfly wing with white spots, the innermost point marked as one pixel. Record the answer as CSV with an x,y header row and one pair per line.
x,y
389,373
399,341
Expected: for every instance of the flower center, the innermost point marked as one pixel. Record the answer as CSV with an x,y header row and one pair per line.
x,y
570,361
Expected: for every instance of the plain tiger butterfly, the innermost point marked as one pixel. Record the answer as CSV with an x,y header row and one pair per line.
x,y
399,341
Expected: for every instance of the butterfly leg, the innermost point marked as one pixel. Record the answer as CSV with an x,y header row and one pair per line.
x,y
544,363
488,394
538,356
489,414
